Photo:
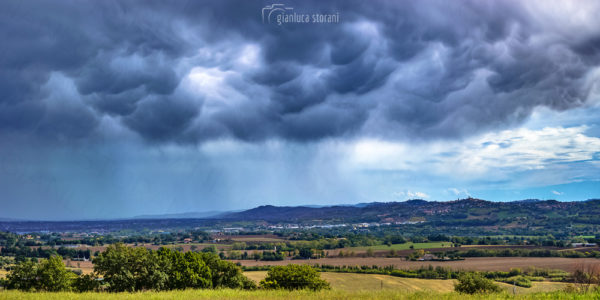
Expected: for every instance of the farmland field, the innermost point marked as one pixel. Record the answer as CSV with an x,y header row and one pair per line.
x,y
186,247
360,282
357,282
255,238
85,266
404,246
473,264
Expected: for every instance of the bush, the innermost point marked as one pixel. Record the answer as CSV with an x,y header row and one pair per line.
x,y
86,283
471,283
294,277
518,281
272,256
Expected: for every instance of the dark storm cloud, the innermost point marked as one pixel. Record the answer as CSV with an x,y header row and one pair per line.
x,y
401,69
161,119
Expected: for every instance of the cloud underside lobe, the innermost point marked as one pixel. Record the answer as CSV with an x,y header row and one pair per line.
x,y
192,72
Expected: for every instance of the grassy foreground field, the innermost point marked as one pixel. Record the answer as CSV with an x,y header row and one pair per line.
x,y
251,295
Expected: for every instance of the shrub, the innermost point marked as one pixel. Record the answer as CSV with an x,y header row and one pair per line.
x,y
86,283
518,281
294,277
210,249
471,283
370,252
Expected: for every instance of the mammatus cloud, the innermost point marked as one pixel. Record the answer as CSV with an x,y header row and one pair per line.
x,y
114,108
191,72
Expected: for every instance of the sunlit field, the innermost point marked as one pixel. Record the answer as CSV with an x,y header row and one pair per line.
x,y
375,282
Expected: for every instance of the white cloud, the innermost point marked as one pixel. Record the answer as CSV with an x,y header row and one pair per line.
x,y
411,195
493,156
458,192
557,193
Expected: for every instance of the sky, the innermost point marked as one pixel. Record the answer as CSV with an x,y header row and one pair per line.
x,y
112,109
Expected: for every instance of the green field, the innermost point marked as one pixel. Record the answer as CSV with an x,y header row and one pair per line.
x,y
404,246
585,236
285,295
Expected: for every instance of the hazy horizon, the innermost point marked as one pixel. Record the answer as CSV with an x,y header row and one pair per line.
x,y
119,109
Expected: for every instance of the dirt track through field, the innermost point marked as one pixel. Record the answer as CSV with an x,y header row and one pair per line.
x,y
474,264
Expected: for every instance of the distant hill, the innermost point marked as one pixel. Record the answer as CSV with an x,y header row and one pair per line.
x,y
463,212
466,216
188,215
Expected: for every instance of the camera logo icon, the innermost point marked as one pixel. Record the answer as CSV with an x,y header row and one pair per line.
x,y
270,12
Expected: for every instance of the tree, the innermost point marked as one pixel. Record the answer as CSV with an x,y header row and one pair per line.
x,y
22,276
210,249
305,253
86,283
294,277
53,276
48,275
416,254
370,252
130,269
471,283
184,270
226,274
586,276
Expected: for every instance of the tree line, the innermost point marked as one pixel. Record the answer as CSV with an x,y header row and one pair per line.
x,y
21,253
126,269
